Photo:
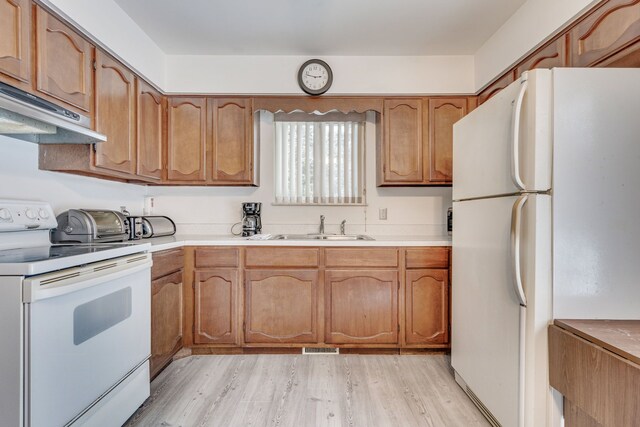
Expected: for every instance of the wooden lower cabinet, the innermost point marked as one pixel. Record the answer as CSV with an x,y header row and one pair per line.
x,y
361,307
426,307
281,306
215,306
166,320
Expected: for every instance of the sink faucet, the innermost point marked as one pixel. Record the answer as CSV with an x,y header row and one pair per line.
x,y
342,224
321,224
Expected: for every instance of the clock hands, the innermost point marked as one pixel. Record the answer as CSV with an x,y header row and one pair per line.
x,y
311,75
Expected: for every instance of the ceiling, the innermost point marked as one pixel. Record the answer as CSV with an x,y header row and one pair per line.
x,y
320,27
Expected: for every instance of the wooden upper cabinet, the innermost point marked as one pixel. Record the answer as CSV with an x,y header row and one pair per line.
x,y
443,113
402,152
115,115
216,305
426,307
166,320
64,62
150,130
496,87
552,55
361,307
186,139
15,42
281,306
612,27
231,140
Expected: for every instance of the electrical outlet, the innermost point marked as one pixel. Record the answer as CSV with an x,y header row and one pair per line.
x,y
382,214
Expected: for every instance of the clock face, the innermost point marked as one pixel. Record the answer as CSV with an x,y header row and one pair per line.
x,y
315,77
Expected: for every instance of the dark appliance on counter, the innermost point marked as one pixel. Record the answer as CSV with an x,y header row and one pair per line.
x,y
251,222
135,227
91,226
450,221
157,226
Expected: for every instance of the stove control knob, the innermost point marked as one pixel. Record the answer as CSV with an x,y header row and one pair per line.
x,y
5,214
43,213
30,214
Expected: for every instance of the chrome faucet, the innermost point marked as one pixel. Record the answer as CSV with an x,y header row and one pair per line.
x,y
342,224
321,224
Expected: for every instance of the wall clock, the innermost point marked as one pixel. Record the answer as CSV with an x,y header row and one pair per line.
x,y
315,77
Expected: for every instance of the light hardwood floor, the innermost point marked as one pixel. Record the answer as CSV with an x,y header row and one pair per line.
x,y
318,390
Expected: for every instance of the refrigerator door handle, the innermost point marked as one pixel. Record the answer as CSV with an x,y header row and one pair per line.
x,y
515,148
516,219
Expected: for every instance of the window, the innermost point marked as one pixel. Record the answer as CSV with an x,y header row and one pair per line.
x,y
319,159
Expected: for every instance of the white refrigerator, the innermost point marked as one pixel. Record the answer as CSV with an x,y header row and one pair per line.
x,y
546,224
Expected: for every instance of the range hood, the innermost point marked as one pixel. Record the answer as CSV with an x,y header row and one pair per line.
x,y
30,118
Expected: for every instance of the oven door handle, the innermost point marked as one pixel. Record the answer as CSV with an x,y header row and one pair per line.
x,y
75,279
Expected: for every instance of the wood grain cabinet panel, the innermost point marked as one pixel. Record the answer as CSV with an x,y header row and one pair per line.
x,y
231,140
443,113
186,139
15,42
610,28
426,307
281,306
402,148
64,62
282,257
429,257
150,131
361,307
115,115
217,257
166,320
552,55
166,262
216,300
496,86
361,257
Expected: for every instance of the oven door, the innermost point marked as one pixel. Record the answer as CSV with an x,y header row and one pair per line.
x,y
87,329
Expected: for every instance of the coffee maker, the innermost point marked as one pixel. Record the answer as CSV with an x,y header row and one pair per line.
x,y
251,222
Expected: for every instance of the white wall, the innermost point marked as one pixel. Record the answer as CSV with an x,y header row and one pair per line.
x,y
352,74
411,211
107,22
20,178
535,21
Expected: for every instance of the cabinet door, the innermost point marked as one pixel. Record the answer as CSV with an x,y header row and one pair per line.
x,y
166,320
15,42
281,306
115,115
216,301
403,153
63,62
443,113
427,307
186,139
496,87
231,140
361,307
613,26
552,55
150,131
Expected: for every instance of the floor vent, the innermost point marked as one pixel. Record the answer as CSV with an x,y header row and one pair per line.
x,y
316,350
488,415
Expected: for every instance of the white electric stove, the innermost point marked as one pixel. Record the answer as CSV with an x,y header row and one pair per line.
x,y
74,323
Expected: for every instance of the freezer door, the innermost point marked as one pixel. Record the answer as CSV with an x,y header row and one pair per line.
x,y
504,146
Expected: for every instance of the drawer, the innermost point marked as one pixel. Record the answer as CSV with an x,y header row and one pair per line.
x,y
166,262
437,257
217,257
365,257
282,257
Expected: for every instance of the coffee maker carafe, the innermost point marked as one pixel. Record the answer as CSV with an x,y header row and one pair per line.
x,y
251,222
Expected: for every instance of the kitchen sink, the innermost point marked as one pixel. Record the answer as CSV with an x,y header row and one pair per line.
x,y
334,237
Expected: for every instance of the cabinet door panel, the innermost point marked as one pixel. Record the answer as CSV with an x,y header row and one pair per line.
x,y
150,131
403,147
608,29
115,115
186,139
443,113
496,87
361,307
15,44
232,140
166,320
216,300
281,306
426,307
550,56
63,62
